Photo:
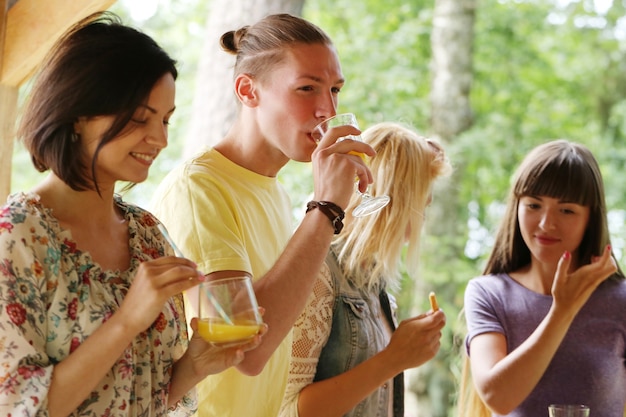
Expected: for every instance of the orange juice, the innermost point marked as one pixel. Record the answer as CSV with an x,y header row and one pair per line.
x,y
216,332
359,154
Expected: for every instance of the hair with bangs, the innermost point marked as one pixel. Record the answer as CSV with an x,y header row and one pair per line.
x,y
259,47
404,168
563,170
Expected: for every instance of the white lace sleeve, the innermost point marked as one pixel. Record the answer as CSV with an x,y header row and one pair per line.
x,y
310,334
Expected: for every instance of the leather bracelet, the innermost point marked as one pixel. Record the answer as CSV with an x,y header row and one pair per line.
x,y
331,210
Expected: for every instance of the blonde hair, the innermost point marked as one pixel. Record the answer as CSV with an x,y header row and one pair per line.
x,y
259,47
404,168
469,403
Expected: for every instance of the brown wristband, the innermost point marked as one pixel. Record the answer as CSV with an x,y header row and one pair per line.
x,y
331,210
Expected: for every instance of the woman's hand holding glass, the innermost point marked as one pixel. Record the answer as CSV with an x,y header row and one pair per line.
x,y
228,311
209,359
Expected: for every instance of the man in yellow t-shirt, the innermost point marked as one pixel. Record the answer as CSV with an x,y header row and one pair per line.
x,y
231,226
228,213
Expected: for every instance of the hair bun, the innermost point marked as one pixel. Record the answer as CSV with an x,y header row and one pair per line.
x,y
231,40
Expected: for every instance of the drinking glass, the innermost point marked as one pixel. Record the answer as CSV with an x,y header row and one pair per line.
x,y
369,204
228,314
568,410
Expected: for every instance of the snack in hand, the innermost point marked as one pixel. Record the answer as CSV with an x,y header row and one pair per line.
x,y
433,301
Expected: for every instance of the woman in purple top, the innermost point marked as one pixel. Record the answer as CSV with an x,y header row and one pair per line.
x,y
547,320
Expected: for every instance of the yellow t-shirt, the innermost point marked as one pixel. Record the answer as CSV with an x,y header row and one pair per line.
x,y
225,217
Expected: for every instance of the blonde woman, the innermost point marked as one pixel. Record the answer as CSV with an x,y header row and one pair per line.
x,y
348,355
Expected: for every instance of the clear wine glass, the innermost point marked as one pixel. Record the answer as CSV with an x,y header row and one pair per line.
x,y
568,410
369,204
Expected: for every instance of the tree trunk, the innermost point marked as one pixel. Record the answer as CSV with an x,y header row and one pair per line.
x,y
214,105
452,39
451,114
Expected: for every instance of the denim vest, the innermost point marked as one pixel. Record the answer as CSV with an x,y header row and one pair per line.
x,y
357,335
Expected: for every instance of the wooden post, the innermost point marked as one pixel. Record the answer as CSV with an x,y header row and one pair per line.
x,y
8,104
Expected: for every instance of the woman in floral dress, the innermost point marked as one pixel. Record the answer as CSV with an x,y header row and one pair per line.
x,y
91,319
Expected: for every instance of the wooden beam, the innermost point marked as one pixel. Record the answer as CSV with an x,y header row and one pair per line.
x,y
32,27
4,10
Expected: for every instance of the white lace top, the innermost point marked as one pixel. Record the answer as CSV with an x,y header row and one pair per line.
x,y
310,334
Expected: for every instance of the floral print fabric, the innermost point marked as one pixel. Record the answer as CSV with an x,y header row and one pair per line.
x,y
53,296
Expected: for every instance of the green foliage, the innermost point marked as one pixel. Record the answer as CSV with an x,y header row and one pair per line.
x,y
384,56
542,70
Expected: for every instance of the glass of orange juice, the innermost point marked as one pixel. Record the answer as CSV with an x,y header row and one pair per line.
x,y
228,313
369,204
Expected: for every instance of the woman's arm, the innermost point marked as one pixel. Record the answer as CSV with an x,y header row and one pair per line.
x,y
504,381
310,334
73,380
155,282
414,342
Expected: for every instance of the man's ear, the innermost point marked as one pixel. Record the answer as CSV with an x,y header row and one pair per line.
x,y
245,89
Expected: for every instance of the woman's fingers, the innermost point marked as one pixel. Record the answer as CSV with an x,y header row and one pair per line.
x,y
154,283
571,290
162,272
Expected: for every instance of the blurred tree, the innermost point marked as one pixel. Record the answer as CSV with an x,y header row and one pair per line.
x,y
452,75
452,39
214,106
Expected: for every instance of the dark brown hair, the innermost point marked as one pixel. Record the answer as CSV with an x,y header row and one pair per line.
x,y
563,170
98,67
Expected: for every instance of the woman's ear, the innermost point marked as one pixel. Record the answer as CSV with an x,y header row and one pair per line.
x,y
245,89
78,125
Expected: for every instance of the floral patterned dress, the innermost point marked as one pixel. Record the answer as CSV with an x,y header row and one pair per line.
x,y
53,296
